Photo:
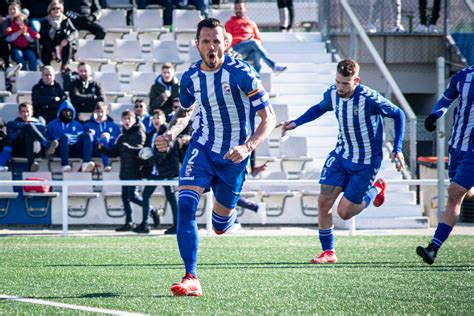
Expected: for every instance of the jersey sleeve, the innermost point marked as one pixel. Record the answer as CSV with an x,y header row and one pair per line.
x,y
186,97
253,87
449,95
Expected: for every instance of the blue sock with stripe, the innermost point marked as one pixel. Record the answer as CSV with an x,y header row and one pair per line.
x,y
5,155
223,223
370,196
441,234
187,230
326,237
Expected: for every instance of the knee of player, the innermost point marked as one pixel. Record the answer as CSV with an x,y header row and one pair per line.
x,y
324,202
343,213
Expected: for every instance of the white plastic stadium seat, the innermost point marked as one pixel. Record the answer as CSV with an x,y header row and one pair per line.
x,y
109,82
150,22
92,52
275,196
309,194
114,21
185,21
41,206
294,155
116,110
119,4
222,14
129,52
79,196
166,52
3,87
141,82
112,195
25,80
6,194
8,111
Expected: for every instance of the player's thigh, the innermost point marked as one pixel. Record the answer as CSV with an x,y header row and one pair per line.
x,y
360,182
334,173
196,169
228,183
461,168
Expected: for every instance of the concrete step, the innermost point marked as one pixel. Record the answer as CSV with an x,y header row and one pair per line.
x,y
297,48
304,66
301,37
318,58
294,78
305,100
298,88
385,223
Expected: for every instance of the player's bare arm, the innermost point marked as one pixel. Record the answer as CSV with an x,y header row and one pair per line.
x,y
287,126
399,161
238,153
178,123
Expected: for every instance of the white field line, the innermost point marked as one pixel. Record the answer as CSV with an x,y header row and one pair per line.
x,y
70,306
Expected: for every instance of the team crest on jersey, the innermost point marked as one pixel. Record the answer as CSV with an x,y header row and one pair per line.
x,y
355,110
226,88
189,170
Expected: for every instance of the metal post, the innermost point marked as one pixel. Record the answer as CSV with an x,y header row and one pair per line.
x,y
64,206
354,52
209,207
440,140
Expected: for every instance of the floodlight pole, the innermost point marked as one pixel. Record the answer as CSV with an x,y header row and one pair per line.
x,y
440,139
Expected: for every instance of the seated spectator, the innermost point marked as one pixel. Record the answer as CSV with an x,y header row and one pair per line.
x,y
141,113
67,132
57,36
25,138
85,92
100,129
127,146
38,8
84,15
229,50
8,10
247,40
47,95
164,89
167,6
22,40
160,166
201,5
3,134
185,136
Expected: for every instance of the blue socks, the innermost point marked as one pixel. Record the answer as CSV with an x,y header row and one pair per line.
x,y
187,230
5,155
223,223
326,237
441,234
370,196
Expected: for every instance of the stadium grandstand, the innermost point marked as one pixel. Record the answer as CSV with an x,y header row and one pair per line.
x,y
403,66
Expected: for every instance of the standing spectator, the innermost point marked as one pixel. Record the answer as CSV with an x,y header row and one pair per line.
x,y
23,40
376,12
84,15
47,95
164,89
287,15
201,5
160,166
25,138
100,129
247,40
142,115
127,146
167,12
57,35
424,26
461,155
67,132
85,92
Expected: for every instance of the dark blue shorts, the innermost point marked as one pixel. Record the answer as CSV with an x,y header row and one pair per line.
x,y
206,169
354,179
461,168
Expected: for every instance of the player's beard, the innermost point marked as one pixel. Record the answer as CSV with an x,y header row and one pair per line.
x,y
211,60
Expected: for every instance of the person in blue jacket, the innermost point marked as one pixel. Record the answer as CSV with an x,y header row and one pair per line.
x,y
100,128
67,132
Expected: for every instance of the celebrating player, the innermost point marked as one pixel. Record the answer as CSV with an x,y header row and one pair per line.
x,y
352,166
461,154
228,93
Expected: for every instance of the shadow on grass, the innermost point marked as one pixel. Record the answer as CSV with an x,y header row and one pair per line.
x,y
407,266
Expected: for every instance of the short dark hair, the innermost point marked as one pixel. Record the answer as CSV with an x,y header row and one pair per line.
x,y
239,1
99,105
127,113
159,113
348,67
209,23
24,105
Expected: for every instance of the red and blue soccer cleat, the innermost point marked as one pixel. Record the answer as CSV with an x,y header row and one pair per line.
x,y
380,198
327,256
189,286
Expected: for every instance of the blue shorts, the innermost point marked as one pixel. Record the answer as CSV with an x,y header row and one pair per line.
x,y
461,168
206,169
354,179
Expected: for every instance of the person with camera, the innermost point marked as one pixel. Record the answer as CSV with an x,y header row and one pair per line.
x,y
84,15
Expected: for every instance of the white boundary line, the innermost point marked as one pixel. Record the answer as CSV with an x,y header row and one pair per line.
x,y
70,306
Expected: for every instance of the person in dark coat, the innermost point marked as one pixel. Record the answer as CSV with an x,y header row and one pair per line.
x,y
85,92
164,89
47,95
84,15
159,166
127,147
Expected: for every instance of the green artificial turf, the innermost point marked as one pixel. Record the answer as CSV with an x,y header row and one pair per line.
x,y
239,275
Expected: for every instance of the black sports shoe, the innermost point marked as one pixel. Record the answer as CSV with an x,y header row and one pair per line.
x,y
126,228
156,217
428,254
142,229
171,230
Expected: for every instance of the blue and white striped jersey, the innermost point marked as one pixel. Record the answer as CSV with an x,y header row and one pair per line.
x,y
360,123
461,86
227,99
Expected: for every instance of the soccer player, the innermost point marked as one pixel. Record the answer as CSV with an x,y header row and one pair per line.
x,y
352,166
461,154
228,93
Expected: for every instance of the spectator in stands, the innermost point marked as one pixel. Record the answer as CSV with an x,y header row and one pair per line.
x,y
85,92
4,48
23,42
57,36
164,89
127,146
100,129
201,5
287,15
159,166
166,4
67,132
38,8
25,138
141,113
424,25
247,40
84,15
376,13
47,95
229,50
3,134
185,136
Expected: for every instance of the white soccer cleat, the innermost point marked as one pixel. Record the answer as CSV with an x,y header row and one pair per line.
x,y
262,213
88,166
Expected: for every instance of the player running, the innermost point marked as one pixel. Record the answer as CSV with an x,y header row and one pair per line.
x,y
352,166
228,93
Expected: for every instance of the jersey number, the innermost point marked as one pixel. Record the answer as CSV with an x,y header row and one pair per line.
x,y
194,154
